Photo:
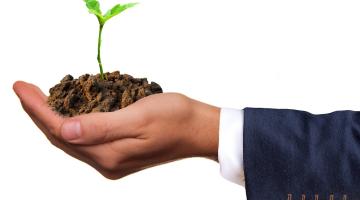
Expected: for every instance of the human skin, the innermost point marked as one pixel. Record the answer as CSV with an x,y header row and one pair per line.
x,y
156,129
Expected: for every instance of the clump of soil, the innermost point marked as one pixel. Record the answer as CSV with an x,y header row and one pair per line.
x,y
89,93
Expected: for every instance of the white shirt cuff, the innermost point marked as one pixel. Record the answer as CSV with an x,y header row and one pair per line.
x,y
230,152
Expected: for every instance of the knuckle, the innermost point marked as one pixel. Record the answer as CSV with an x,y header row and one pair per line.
x,y
111,168
53,130
105,133
53,141
109,165
110,175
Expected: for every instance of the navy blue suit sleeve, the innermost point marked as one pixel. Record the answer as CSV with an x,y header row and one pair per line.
x,y
291,154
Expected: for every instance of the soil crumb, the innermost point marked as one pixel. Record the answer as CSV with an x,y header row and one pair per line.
x,y
89,93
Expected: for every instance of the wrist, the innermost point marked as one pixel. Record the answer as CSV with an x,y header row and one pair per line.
x,y
204,136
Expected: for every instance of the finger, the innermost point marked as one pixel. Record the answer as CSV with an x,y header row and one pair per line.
x,y
35,104
82,153
20,84
35,91
91,128
98,128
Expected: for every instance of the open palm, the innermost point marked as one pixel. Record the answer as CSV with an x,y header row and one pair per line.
x,y
154,130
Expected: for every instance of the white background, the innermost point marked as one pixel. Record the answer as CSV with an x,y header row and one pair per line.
x,y
230,53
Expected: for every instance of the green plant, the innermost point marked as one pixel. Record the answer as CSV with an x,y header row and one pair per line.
x,y
94,8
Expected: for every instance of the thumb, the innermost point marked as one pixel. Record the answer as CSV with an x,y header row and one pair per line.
x,y
94,128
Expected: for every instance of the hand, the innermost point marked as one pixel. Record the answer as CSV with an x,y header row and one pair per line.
x,y
157,129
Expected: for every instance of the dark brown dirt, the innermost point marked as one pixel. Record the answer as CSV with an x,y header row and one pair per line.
x,y
89,93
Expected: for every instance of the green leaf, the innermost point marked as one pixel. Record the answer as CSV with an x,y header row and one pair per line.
x,y
117,10
94,8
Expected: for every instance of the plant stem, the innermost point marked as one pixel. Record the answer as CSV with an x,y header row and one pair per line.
x,y
99,56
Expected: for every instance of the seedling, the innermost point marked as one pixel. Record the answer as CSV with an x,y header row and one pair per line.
x,y
105,93
94,8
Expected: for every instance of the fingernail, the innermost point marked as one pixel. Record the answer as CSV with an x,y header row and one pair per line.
x,y
71,130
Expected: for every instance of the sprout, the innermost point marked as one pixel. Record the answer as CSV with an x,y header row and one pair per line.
x,y
94,8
